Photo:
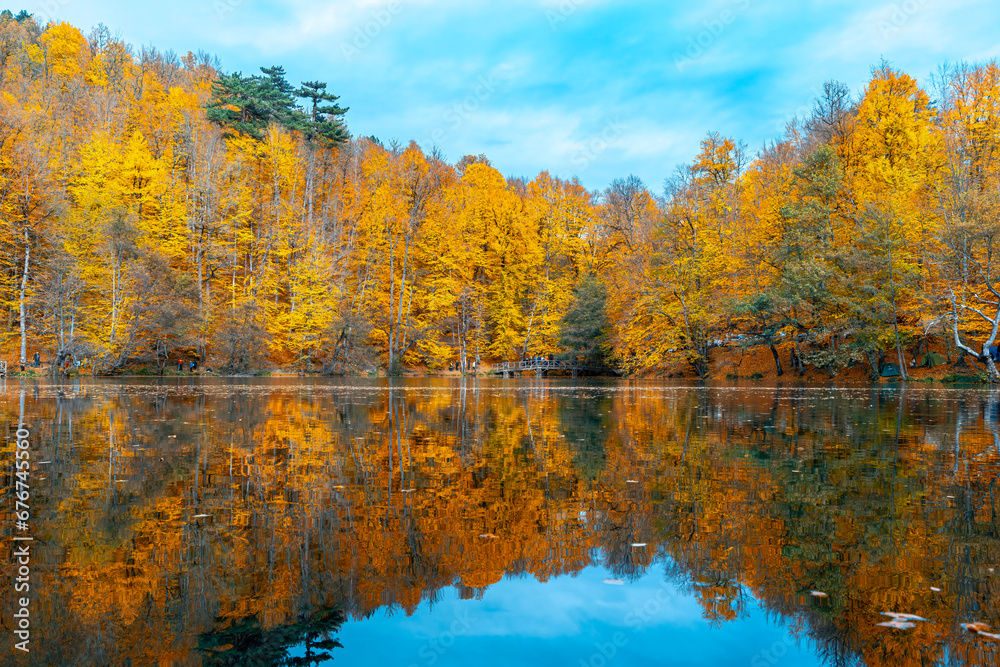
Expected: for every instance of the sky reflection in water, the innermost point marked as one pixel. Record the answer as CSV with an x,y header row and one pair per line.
x,y
566,620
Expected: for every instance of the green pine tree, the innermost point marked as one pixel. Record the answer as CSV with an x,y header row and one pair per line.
x,y
325,116
584,327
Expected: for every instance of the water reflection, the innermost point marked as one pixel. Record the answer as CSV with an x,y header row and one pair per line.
x,y
225,522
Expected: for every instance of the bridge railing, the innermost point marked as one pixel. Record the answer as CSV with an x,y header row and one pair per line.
x,y
543,364
534,364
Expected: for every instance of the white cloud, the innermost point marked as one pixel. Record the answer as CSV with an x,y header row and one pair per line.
x,y
557,87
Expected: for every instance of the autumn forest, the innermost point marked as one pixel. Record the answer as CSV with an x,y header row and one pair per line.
x,y
153,205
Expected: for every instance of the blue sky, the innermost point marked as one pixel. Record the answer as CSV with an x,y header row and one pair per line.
x,y
588,88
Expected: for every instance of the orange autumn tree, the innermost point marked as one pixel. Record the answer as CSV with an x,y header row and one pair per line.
x,y
892,154
677,308
501,241
968,205
562,212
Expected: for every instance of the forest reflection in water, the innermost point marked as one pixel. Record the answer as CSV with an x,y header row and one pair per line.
x,y
226,521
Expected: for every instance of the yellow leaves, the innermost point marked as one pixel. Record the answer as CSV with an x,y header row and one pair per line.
x,y
304,234
64,50
183,104
117,189
114,176
502,250
892,143
34,54
96,76
669,300
311,306
715,164
96,167
437,353
139,170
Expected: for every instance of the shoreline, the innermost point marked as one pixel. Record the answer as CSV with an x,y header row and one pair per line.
x,y
728,363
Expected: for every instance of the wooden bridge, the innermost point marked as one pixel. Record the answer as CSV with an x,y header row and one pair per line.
x,y
542,366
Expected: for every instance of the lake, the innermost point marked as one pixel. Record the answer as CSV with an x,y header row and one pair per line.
x,y
490,522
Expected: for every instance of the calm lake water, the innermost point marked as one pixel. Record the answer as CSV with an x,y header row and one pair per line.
x,y
532,522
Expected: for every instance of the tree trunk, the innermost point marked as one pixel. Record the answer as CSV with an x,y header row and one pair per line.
x,y
777,361
797,362
398,339
895,323
873,367
991,370
985,356
406,323
833,356
24,288
392,287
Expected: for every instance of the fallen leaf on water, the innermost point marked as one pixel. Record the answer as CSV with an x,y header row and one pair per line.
x,y
899,625
902,617
976,627
818,594
614,582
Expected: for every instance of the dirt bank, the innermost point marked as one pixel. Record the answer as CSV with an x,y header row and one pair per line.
x,y
738,362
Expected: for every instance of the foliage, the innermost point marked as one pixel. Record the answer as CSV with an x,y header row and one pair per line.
x,y
584,327
245,642
149,203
